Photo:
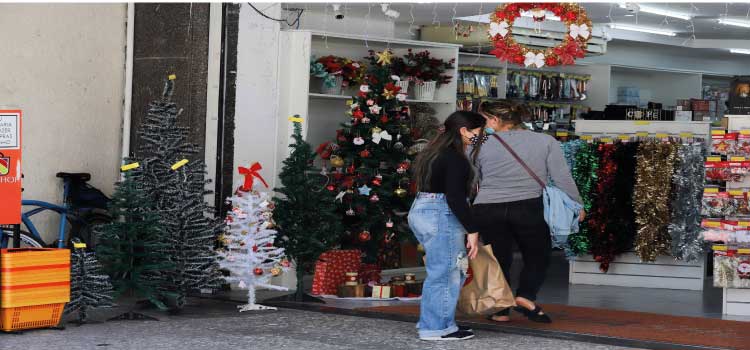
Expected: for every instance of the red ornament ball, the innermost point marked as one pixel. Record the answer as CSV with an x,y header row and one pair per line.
x,y
258,271
331,188
364,236
255,248
364,154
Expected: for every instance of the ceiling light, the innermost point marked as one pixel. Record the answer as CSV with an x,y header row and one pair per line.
x,y
642,29
735,22
742,51
663,12
629,15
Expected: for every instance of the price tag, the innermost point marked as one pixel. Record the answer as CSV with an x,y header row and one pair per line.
x,y
587,137
662,135
561,133
719,248
641,134
736,193
713,159
711,190
736,159
624,137
718,132
606,140
79,245
686,135
744,132
743,251
179,164
642,122
130,166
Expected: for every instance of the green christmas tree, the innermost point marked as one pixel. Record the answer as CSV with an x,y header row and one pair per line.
x,y
370,166
305,214
90,287
130,248
176,186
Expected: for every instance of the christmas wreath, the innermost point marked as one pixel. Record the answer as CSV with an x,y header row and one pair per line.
x,y
573,45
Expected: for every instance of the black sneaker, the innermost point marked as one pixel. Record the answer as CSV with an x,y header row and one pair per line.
x,y
465,329
458,335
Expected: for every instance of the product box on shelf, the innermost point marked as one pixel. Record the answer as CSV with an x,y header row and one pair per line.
x,y
349,291
683,116
731,267
331,269
700,105
35,285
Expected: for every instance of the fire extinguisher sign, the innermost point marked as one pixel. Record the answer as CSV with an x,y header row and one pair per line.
x,y
10,167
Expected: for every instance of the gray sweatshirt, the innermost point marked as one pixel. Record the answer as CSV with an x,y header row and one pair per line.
x,y
503,179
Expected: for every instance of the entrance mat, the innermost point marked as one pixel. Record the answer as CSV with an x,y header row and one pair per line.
x,y
621,328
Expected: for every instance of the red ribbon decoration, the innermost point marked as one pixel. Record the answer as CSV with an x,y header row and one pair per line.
x,y
250,175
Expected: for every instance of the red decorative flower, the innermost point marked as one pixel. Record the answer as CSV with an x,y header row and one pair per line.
x,y
358,114
384,119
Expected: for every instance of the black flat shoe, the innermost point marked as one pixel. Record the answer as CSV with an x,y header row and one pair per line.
x,y
504,312
535,315
465,329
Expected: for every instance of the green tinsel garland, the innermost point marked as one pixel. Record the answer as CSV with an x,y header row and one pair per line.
x,y
584,174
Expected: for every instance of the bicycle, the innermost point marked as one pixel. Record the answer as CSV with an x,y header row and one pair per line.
x,y
84,207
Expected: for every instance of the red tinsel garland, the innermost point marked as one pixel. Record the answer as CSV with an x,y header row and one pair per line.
x,y
600,222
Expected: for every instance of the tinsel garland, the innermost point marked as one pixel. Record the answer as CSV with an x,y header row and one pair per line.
x,y
651,200
585,176
570,149
686,204
601,222
622,211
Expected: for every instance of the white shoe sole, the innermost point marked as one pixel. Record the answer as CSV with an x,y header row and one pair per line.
x,y
445,339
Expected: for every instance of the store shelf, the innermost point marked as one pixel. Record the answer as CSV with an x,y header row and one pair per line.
x,y
345,97
611,127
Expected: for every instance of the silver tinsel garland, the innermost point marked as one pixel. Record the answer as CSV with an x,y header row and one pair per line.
x,y
685,227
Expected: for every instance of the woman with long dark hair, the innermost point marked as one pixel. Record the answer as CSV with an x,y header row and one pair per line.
x,y
509,203
442,221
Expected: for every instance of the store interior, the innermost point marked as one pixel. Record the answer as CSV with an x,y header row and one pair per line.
x,y
651,73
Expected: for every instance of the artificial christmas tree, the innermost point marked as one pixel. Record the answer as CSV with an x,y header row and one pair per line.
x,y
370,166
130,248
176,187
305,213
90,287
249,253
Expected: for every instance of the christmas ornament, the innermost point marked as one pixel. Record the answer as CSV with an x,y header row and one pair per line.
x,y
378,180
384,57
374,198
398,146
375,109
366,120
376,130
350,212
364,236
400,192
389,223
400,170
384,119
255,248
351,169
285,263
401,97
370,102
275,271
331,188
364,88
364,154
573,45
258,271
388,237
381,135
358,141
340,197
337,162
364,190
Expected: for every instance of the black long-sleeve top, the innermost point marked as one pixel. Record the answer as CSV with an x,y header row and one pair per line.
x,y
450,174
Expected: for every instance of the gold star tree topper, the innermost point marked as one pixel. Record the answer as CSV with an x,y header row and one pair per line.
x,y
384,57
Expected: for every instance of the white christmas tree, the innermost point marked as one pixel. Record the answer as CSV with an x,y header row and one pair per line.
x,y
249,253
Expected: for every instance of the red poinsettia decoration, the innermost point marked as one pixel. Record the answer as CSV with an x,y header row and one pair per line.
x,y
324,150
573,46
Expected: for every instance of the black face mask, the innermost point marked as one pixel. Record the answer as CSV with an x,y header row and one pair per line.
x,y
475,140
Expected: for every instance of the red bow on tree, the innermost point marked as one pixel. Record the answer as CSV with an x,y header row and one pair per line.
x,y
250,175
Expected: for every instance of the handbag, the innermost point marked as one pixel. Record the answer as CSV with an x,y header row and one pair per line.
x,y
560,211
485,291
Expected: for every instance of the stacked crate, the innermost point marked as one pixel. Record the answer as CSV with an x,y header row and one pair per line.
x,y
34,287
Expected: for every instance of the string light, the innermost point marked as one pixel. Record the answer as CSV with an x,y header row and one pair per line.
x,y
411,23
453,20
435,15
367,24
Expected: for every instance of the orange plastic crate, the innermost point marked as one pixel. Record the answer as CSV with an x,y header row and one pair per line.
x,y
29,317
34,276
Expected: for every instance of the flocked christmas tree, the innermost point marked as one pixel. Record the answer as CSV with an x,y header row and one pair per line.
x,y
370,166
130,248
249,253
90,286
176,186
305,213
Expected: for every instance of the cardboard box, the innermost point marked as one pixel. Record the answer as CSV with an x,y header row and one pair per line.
x,y
683,116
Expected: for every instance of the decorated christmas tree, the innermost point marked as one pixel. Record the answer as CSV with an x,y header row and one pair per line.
x,y
176,185
305,213
130,248
90,287
369,166
249,253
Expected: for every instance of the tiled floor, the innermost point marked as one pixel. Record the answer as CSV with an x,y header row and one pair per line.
x,y
706,303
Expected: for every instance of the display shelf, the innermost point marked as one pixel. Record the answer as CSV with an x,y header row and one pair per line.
x,y
628,271
346,97
615,127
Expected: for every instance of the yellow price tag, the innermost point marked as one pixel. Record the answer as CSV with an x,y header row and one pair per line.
x,y
711,190
686,135
642,122
641,134
624,137
719,248
662,135
587,137
130,166
743,251
179,164
295,119
606,140
712,224
744,132
718,132
737,159
735,192
561,133
743,223
172,76
713,159
349,102
79,245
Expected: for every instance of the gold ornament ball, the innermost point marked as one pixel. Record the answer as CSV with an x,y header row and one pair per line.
x,y
275,271
400,192
337,162
376,130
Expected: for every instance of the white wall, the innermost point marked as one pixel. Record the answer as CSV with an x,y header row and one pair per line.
x,y
63,64
661,87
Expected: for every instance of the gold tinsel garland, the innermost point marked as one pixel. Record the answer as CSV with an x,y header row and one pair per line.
x,y
651,198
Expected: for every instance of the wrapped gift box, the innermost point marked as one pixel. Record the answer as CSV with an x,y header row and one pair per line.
x,y
369,273
398,290
414,289
381,292
331,269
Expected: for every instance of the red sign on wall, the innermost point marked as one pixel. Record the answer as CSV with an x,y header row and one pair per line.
x,y
10,167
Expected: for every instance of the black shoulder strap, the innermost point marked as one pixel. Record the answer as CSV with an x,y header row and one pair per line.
x,y
520,161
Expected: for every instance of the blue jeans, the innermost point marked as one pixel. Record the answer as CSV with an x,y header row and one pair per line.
x,y
442,236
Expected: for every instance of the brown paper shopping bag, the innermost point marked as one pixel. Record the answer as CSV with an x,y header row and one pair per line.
x,y
485,291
